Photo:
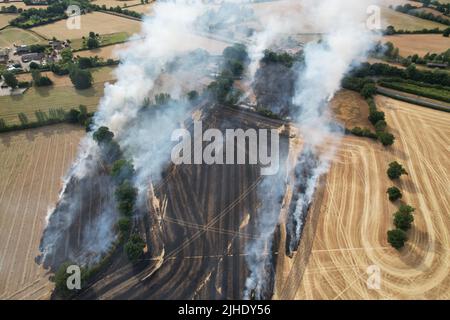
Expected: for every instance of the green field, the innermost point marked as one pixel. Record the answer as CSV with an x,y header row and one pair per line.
x,y
10,36
402,21
5,18
53,97
105,40
420,90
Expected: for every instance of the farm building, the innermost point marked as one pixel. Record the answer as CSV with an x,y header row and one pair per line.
x,y
36,56
38,2
56,44
22,49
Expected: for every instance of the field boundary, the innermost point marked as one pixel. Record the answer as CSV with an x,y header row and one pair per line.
x,y
397,95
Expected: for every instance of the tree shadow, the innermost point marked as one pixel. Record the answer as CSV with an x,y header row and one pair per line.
x,y
413,254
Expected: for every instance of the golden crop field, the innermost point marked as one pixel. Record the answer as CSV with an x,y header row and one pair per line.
x,y
144,9
33,162
354,214
421,44
406,22
97,22
108,52
10,36
5,18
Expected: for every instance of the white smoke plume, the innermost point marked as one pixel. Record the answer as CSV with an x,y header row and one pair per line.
x,y
346,40
165,35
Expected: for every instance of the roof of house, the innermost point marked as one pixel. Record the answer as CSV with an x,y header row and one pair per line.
x,y
33,56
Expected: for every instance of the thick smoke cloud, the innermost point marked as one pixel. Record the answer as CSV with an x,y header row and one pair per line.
x,y
346,40
145,139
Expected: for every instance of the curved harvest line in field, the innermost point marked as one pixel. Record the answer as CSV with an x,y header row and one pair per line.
x,y
354,215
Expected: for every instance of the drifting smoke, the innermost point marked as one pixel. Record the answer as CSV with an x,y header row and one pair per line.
x,y
346,41
144,137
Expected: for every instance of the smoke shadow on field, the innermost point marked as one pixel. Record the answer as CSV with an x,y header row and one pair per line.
x,y
413,254
44,91
90,92
400,154
409,186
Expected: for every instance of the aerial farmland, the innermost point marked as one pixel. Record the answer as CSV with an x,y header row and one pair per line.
x,y
269,150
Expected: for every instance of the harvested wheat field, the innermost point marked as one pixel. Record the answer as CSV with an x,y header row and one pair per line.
x,y
115,3
352,214
21,5
350,109
98,22
421,44
33,162
15,36
5,18
403,21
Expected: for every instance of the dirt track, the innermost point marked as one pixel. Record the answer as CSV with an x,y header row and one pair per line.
x,y
33,162
354,214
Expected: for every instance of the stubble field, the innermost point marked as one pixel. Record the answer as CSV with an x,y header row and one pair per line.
x,y
353,214
33,162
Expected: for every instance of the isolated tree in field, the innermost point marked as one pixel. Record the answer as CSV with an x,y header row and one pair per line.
x,y
92,43
103,135
403,221
404,218
395,170
39,80
406,209
81,79
381,125
134,248
397,238
386,138
10,79
394,193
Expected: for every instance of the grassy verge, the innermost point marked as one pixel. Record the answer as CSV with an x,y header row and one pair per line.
x,y
426,91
